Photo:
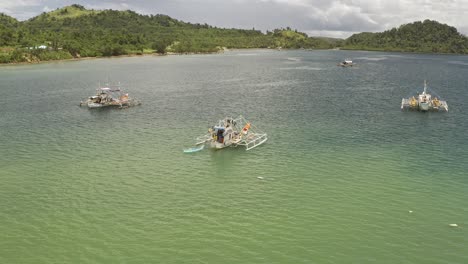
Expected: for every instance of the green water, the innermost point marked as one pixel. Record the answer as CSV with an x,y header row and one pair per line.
x,y
342,168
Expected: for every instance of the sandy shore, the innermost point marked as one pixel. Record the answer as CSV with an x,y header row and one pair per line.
x,y
108,57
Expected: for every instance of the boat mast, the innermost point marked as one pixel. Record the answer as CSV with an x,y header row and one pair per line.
x,y
425,87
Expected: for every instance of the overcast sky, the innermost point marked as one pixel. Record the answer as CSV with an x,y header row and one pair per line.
x,y
332,18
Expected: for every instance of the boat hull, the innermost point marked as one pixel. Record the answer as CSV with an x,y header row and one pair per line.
x,y
217,145
95,105
424,106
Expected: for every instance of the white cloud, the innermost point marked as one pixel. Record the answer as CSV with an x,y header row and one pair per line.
x,y
20,9
18,3
110,5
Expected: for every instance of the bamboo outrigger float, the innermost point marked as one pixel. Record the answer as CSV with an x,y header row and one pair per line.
x,y
424,102
231,132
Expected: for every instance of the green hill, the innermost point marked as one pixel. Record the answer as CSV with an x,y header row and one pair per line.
x,y
7,21
427,36
74,31
292,39
8,28
71,12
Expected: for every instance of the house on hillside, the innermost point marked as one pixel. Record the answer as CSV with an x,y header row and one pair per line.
x,y
43,47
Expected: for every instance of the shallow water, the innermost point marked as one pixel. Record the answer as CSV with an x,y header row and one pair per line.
x,y
341,170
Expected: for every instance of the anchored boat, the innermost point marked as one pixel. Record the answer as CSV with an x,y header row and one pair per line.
x,y
109,95
346,63
424,102
231,132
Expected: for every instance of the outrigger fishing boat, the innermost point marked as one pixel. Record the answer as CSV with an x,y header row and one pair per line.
x,y
424,102
109,95
231,132
346,63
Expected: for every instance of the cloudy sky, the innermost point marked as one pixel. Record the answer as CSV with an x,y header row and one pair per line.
x,y
332,18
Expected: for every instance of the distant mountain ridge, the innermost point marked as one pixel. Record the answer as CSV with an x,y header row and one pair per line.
x,y
74,31
427,36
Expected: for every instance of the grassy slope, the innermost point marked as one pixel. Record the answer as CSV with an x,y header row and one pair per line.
x,y
72,11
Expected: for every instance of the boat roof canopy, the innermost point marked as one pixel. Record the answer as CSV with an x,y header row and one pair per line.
x,y
107,89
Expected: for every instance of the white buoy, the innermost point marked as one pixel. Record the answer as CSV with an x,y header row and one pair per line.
x,y
260,177
453,225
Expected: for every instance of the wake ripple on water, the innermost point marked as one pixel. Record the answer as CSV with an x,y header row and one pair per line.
x,y
309,68
380,58
462,63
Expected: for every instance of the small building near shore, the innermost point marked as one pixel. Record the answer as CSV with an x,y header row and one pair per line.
x,y
39,47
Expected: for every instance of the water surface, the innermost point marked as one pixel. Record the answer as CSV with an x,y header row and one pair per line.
x,y
342,168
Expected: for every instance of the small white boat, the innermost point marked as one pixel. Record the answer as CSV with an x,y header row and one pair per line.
x,y
346,63
424,102
109,96
233,132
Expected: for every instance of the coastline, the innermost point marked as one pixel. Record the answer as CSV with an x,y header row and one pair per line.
x,y
110,57
215,52
405,51
146,55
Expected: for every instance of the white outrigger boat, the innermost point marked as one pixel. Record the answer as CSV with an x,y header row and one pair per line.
x,y
346,63
109,95
424,102
231,132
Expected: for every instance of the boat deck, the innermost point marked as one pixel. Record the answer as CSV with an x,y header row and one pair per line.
x,y
243,134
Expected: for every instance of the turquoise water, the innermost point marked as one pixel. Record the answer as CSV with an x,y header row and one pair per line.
x,y
342,168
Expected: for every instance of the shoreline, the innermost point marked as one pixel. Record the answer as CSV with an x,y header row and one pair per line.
x,y
107,57
145,55
207,53
405,52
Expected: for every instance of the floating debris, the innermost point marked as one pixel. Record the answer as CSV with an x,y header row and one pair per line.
x,y
260,177
453,225
410,211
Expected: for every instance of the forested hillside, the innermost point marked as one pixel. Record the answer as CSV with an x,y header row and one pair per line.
x,y
428,36
74,31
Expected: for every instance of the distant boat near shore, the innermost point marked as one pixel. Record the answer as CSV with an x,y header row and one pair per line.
x,y
346,63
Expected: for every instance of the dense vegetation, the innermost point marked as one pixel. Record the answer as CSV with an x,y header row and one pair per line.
x,y
428,36
74,31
